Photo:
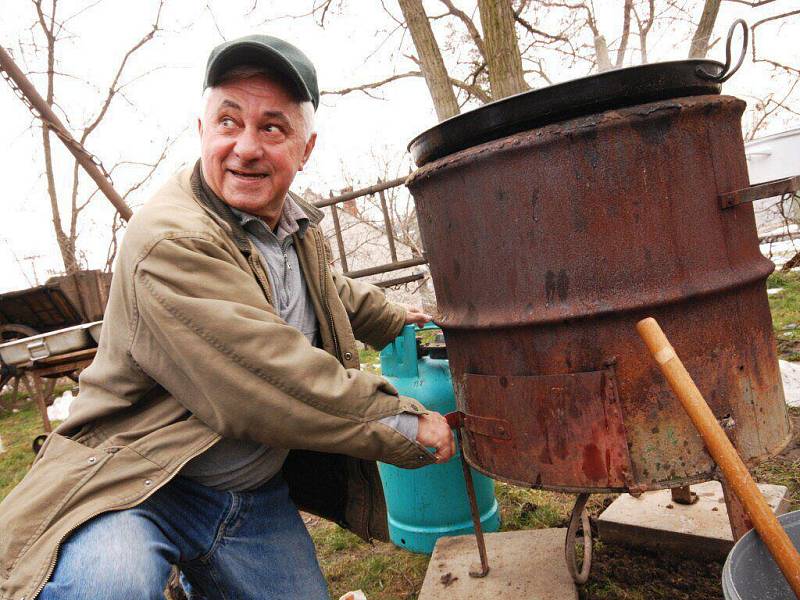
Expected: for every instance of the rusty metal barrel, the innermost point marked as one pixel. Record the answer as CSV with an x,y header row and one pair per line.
x,y
547,245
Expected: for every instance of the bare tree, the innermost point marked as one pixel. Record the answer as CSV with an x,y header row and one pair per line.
x,y
699,45
503,58
54,29
644,26
430,59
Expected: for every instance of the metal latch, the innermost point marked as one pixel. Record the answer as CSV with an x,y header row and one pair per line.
x,y
38,349
486,426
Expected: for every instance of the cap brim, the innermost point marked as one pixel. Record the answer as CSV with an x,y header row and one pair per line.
x,y
250,53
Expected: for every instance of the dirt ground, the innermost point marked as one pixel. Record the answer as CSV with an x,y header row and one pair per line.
x,y
619,573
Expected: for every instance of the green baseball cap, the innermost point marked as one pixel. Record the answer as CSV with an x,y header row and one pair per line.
x,y
271,53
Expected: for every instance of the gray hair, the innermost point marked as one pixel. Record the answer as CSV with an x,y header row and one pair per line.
x,y
248,71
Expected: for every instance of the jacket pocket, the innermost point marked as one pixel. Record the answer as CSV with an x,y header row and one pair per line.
x,y
64,467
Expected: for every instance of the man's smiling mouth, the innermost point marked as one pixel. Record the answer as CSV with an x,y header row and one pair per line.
x,y
247,175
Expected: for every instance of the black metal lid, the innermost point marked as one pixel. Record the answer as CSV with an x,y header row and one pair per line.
x,y
597,93
617,88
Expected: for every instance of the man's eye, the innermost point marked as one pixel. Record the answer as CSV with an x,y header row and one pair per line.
x,y
272,128
227,122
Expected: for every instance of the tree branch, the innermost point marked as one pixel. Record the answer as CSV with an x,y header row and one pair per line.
x,y
753,3
774,64
112,89
370,86
469,24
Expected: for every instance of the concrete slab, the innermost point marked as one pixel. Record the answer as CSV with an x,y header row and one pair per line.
x,y
790,377
701,530
523,565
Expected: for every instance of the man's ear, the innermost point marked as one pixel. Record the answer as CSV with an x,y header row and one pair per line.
x,y
308,150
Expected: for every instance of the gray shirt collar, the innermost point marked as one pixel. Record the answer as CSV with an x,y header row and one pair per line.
x,y
293,219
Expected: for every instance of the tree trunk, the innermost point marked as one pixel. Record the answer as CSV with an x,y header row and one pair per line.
x,y
699,45
506,76
626,31
431,63
601,52
66,244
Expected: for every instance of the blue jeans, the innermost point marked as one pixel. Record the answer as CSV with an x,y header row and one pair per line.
x,y
229,545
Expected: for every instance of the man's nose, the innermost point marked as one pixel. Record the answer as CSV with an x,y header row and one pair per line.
x,y
247,146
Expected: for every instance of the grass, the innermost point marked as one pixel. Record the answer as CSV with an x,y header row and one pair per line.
x,y
385,572
17,431
785,307
20,422
370,360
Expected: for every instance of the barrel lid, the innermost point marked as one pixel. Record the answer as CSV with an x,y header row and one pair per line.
x,y
617,88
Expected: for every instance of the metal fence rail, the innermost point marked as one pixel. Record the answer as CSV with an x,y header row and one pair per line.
x,y
395,265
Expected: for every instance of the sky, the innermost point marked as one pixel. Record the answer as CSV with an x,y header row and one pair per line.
x,y
357,134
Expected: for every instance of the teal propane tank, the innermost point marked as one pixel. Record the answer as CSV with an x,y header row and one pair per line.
x,y
428,503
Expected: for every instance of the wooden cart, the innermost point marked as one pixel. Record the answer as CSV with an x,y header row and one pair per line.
x,y
60,303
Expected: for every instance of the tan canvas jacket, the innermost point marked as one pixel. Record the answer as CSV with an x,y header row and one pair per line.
x,y
192,350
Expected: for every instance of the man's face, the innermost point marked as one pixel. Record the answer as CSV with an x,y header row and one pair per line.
x,y
253,140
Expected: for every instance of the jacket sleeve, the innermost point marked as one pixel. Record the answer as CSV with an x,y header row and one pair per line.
x,y
376,321
204,331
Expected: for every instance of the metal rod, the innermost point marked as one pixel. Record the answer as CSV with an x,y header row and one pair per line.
x,y
400,280
373,189
388,222
52,121
476,515
396,266
339,241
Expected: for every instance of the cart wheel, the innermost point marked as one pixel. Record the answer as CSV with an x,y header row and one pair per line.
x,y
38,442
15,331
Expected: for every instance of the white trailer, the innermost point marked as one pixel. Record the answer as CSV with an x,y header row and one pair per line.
x,y
774,157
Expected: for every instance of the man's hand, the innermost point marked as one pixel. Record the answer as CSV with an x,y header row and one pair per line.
x,y
417,316
434,432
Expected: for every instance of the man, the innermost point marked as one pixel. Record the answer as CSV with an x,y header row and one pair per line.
x,y
227,342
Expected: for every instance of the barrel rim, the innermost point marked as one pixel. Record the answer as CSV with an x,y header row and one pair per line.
x,y
611,89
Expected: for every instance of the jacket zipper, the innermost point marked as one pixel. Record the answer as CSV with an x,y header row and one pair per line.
x,y
54,560
324,270
284,248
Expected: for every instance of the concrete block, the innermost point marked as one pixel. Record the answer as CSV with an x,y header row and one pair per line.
x,y
700,530
523,564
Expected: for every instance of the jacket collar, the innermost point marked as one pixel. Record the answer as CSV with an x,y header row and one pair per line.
x,y
208,199
293,219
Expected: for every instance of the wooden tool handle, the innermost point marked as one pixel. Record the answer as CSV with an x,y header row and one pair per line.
x,y
724,454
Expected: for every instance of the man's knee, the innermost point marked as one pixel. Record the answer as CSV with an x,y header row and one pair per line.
x,y
115,556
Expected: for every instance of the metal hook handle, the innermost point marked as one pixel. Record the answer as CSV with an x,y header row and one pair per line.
x,y
579,515
727,72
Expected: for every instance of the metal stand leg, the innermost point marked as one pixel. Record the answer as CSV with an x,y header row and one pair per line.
x,y
683,495
740,521
579,514
476,515
738,517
